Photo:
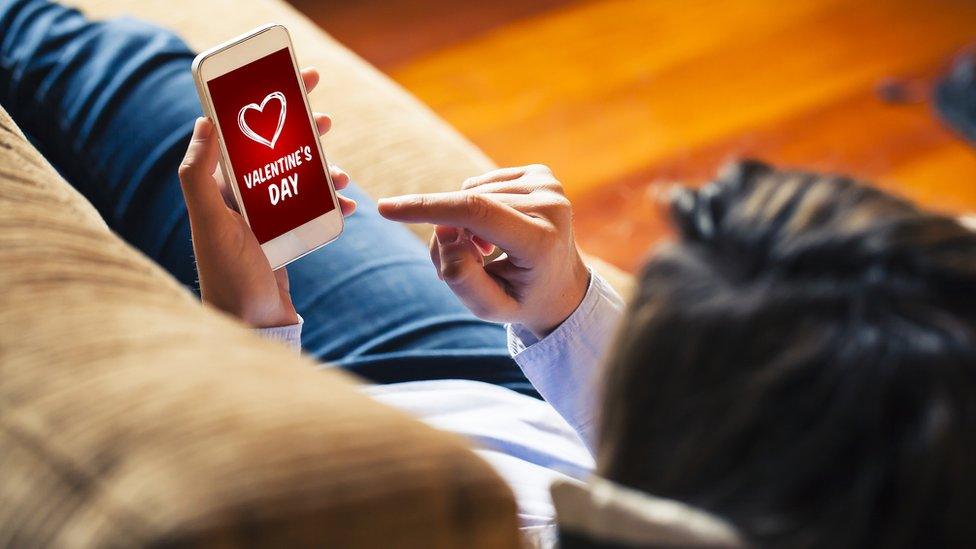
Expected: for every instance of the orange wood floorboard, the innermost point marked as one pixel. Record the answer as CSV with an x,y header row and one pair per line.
x,y
623,97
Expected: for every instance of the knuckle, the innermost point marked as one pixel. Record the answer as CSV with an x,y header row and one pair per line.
x,y
554,207
453,271
538,168
549,231
562,207
555,186
450,272
547,236
550,184
186,171
478,206
559,202
417,202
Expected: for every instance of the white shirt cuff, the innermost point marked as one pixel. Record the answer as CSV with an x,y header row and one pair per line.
x,y
563,366
290,335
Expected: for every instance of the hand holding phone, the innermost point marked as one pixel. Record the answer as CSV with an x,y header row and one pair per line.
x,y
235,275
251,89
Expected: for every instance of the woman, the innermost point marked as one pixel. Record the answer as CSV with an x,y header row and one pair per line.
x,y
798,361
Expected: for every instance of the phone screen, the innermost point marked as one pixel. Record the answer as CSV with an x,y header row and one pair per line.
x,y
272,148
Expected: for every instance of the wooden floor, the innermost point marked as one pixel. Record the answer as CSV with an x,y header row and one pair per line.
x,y
621,97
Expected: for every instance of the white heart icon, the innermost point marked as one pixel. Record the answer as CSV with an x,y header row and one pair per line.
x,y
246,130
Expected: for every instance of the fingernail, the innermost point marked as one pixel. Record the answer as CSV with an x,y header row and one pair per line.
x,y
446,235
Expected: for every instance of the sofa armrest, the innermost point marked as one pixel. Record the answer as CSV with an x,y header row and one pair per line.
x,y
131,415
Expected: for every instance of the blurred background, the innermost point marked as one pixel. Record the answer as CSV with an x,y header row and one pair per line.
x,y
622,96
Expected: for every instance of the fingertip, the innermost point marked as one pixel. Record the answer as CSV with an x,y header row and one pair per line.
x,y
347,206
323,122
202,128
339,178
386,206
311,77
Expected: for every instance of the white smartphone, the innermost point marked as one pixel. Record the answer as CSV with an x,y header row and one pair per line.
x,y
270,152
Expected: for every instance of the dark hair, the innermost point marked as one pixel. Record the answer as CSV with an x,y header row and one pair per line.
x,y
801,362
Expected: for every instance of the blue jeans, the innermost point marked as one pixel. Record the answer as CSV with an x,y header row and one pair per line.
x,y
112,104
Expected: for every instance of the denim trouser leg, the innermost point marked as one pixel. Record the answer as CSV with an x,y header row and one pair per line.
x,y
112,104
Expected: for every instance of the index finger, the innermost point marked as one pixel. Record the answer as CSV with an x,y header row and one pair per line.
x,y
489,219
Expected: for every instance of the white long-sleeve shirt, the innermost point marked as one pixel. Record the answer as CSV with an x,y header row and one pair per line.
x,y
529,442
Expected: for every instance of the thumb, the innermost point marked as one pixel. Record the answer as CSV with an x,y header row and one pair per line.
x,y
462,267
200,190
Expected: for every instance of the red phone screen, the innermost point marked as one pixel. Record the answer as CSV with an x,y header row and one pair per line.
x,y
271,144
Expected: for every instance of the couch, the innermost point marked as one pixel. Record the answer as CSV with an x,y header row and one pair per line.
x,y
130,415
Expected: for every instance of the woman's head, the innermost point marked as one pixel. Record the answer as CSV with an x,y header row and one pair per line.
x,y
802,361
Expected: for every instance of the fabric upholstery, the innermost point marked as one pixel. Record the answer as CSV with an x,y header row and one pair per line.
x,y
131,415
389,142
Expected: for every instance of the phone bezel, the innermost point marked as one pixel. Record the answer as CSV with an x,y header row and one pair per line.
x,y
227,57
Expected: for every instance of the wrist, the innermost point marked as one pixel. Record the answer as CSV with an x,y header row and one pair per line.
x,y
281,313
255,314
273,320
565,304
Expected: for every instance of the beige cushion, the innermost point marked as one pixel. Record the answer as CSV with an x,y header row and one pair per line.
x,y
130,415
388,141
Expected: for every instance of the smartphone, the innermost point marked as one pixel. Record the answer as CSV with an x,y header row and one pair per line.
x,y
270,153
